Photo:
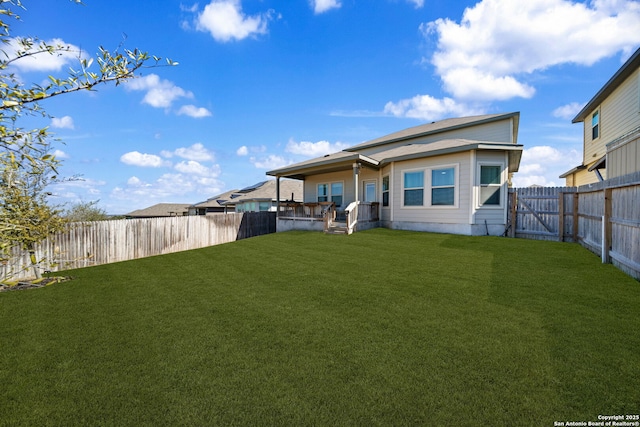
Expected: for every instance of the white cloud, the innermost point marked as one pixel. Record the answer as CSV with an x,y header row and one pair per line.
x,y
321,6
59,154
242,151
65,122
159,93
193,111
270,162
425,107
42,61
192,167
314,149
135,158
543,165
169,187
197,152
488,55
417,3
568,111
225,21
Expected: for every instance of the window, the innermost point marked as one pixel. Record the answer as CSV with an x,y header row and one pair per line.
x,y
443,187
414,188
330,193
264,206
336,193
369,191
595,125
490,185
385,190
323,192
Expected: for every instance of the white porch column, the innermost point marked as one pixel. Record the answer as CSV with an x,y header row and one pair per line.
x,y
356,173
277,196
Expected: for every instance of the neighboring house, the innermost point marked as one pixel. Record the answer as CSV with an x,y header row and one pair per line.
x,y
161,210
611,123
448,176
259,197
262,197
214,205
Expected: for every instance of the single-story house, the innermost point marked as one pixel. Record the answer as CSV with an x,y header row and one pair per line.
x,y
258,197
447,176
261,197
160,210
214,205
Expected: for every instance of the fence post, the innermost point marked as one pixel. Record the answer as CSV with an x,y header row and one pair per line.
x,y
561,216
576,217
606,226
513,199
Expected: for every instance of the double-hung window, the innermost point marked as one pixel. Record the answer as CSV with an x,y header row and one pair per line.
x,y
332,192
595,125
443,187
385,190
490,185
414,188
336,193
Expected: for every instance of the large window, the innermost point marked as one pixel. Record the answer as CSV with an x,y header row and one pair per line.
x,y
370,191
323,192
595,125
385,190
490,185
331,192
443,187
336,193
414,188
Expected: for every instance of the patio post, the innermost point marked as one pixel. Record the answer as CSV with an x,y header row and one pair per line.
x,y
277,196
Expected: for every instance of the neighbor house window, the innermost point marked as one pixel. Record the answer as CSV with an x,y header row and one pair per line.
x,y
490,185
323,192
385,190
443,187
264,206
336,193
595,125
414,188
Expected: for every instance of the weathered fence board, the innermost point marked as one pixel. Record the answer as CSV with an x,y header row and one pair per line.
x,y
102,242
603,217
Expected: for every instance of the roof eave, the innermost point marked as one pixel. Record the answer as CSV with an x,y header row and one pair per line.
x,y
621,75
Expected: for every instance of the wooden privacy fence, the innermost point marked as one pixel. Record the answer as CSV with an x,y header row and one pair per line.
x,y
93,243
602,217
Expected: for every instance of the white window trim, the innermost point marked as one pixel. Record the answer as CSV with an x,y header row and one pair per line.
x,y
388,176
503,186
424,187
328,184
597,110
427,187
456,186
364,189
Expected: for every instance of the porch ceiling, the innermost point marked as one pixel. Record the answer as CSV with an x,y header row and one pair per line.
x,y
336,162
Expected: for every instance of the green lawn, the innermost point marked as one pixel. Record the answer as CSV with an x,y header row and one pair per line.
x,y
378,328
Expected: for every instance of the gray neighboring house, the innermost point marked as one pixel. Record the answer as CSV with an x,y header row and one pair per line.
x,y
214,205
260,197
161,210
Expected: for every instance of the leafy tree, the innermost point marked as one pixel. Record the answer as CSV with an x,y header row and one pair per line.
x,y
85,211
26,163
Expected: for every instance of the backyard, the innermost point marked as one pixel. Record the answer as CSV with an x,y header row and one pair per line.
x,y
381,327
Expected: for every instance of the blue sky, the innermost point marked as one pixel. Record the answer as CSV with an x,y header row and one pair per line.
x,y
264,83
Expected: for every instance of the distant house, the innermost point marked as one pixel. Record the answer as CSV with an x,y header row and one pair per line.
x,y
214,205
160,210
611,128
259,197
448,176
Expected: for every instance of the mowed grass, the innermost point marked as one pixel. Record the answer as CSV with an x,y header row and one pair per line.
x,y
378,328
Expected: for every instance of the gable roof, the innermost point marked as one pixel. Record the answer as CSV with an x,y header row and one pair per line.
x,y
266,191
439,127
343,160
628,68
216,201
160,210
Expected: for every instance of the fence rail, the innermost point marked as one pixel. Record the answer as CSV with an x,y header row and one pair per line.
x,y
603,217
93,243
